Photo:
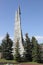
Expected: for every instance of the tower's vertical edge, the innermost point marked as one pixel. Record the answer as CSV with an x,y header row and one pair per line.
x,y
18,31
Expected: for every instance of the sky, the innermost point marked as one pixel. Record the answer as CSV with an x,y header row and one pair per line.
x,y
31,18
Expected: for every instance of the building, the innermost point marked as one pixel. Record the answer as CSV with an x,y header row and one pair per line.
x,y
18,32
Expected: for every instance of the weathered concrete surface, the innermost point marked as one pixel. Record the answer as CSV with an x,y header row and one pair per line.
x,y
18,32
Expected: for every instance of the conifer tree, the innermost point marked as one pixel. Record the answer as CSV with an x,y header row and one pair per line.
x,y
38,53
27,48
0,48
7,47
34,49
17,52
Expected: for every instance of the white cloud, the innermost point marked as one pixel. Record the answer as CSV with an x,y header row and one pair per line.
x,y
11,38
1,37
39,37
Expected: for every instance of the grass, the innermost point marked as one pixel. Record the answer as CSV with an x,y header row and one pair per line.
x,y
7,61
30,63
16,63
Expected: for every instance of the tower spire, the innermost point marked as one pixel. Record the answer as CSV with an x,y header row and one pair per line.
x,y
19,10
18,31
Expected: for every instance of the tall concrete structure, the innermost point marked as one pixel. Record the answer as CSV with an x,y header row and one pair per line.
x,y
18,31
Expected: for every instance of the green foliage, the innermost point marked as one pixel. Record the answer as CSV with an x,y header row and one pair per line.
x,y
31,49
7,47
35,50
27,48
17,54
38,53
0,48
